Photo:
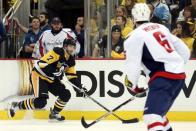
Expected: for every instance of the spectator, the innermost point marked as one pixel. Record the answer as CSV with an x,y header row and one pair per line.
x,y
53,38
193,6
192,28
117,44
174,9
178,30
79,31
43,17
129,5
22,27
122,11
191,9
161,11
31,38
186,36
188,13
2,32
153,18
121,21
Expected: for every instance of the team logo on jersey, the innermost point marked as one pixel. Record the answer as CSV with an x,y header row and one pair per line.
x,y
50,57
60,64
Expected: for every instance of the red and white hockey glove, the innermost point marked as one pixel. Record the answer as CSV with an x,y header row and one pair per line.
x,y
135,91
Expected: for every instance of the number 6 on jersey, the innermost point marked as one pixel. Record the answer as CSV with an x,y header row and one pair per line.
x,y
161,38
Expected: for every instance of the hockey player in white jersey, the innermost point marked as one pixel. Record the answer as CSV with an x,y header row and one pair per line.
x,y
162,56
54,38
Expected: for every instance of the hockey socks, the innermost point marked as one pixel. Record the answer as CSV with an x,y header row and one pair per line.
x,y
59,105
26,104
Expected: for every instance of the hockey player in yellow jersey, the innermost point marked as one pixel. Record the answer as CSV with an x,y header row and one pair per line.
x,y
46,76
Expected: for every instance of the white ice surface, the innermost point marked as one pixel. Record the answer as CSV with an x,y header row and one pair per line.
x,y
43,125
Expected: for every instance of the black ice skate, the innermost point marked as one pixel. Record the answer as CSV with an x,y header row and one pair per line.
x,y
12,109
55,116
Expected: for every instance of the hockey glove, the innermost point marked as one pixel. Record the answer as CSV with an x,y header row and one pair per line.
x,y
79,88
135,91
128,83
84,92
59,75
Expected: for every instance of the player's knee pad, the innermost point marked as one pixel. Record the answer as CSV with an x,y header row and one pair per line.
x,y
40,102
65,95
154,122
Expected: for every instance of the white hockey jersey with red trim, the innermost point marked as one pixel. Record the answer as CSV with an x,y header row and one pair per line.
x,y
48,41
154,48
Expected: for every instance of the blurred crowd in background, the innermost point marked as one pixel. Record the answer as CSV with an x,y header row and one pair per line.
x,y
99,26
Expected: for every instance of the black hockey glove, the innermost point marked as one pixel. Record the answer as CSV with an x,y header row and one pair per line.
x,y
84,92
59,75
81,91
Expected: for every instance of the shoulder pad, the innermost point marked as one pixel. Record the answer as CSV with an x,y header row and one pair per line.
x,y
59,51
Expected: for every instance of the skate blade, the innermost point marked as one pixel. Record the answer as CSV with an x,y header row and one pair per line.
x,y
9,114
55,121
8,111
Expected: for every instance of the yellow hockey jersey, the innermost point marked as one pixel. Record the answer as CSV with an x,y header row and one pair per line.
x,y
54,64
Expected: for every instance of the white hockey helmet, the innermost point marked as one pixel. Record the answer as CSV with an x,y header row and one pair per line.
x,y
141,12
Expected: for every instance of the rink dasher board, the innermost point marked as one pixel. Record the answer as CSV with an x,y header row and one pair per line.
x,y
106,73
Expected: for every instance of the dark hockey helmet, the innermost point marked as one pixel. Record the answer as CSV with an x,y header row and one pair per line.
x,y
67,42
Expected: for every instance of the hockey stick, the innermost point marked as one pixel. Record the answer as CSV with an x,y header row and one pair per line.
x,y
134,120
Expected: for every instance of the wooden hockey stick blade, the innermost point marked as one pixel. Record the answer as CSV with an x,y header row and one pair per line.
x,y
84,124
134,120
112,113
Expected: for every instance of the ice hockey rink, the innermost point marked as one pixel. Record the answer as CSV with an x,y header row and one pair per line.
x,y
104,125
182,114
